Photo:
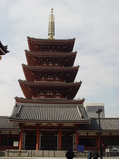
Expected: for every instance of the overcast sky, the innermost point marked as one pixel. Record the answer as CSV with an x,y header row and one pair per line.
x,y
94,24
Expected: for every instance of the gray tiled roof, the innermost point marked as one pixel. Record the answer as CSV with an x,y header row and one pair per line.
x,y
110,123
49,112
106,124
6,124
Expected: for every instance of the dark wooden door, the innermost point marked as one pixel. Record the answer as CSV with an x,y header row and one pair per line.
x,y
48,141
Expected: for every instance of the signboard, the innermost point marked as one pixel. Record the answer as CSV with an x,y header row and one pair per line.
x,y
80,148
15,143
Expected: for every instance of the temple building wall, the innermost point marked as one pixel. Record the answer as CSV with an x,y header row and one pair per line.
x,y
91,109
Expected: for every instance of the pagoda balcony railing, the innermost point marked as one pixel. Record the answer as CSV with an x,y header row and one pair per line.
x,y
49,96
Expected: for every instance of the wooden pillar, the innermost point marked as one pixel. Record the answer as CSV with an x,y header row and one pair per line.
x,y
37,141
77,142
60,137
20,139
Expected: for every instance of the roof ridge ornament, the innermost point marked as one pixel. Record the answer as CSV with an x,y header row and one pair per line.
x,y
51,27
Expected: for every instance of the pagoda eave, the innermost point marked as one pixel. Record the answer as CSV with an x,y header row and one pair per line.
x,y
31,71
48,41
68,58
65,45
50,54
68,89
49,84
52,68
49,101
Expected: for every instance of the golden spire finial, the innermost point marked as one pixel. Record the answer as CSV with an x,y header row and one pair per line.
x,y
51,28
52,10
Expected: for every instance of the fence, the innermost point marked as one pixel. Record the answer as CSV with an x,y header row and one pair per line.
x,y
49,153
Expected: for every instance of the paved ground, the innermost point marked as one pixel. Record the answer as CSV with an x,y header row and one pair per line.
x,y
53,157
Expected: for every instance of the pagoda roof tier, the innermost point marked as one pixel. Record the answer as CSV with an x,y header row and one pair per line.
x,y
34,73
55,45
49,101
67,59
3,49
32,89
50,113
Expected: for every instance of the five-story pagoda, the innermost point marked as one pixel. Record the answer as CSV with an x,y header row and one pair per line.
x,y
49,115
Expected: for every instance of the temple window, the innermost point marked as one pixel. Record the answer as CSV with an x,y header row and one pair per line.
x,y
43,77
57,94
50,63
51,92
50,77
56,64
57,78
44,63
9,141
47,92
41,94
